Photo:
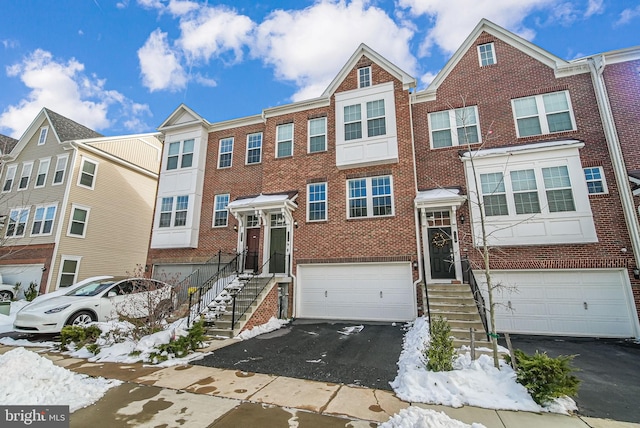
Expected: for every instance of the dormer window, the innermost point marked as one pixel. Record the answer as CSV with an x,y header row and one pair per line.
x,y
364,77
486,54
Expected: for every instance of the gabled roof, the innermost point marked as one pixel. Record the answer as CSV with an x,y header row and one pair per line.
x,y
508,37
183,116
7,144
407,80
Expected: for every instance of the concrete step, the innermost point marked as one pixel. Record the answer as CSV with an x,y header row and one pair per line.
x,y
453,308
447,287
460,316
467,324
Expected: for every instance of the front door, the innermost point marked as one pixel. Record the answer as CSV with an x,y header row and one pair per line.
x,y
278,248
441,253
253,247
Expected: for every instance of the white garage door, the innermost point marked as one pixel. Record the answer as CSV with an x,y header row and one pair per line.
x,y
595,303
24,274
359,291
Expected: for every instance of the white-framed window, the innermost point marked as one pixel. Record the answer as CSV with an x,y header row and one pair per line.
x,y
317,135
9,178
43,171
61,167
557,185
25,177
78,221
364,77
284,140
543,114
596,183
316,202
43,135
43,219
87,175
456,127
225,153
17,222
254,148
253,221
220,212
180,154
525,191
375,119
370,197
494,197
486,54
69,267
173,211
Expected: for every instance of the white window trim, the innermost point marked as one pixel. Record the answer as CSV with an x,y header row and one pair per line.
x,y
180,155
370,198
42,136
225,153
605,188
86,222
493,54
215,210
542,114
24,166
84,159
11,172
293,133
173,212
326,202
246,158
26,223
41,162
309,135
45,207
64,258
453,127
370,77
64,170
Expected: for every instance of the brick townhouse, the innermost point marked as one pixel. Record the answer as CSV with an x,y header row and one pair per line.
x,y
361,199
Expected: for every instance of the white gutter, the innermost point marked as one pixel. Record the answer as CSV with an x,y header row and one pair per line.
x,y
596,66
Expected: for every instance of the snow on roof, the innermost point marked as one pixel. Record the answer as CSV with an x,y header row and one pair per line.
x,y
449,195
259,200
525,147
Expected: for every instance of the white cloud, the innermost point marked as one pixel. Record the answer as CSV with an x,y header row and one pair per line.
x,y
160,65
310,46
205,81
627,16
66,89
10,43
594,7
454,19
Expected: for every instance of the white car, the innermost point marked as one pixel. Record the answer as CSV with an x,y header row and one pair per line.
x,y
7,292
64,290
98,300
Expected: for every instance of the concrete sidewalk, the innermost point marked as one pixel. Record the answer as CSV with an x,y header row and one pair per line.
x,y
197,396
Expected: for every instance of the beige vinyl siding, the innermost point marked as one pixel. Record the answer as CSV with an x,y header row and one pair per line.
x,y
31,196
144,151
119,225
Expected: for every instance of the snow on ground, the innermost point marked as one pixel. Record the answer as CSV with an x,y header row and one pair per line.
x,y
474,383
415,417
273,324
30,379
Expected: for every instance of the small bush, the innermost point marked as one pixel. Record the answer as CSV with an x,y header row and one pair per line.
x,y
181,346
16,290
544,377
440,352
78,335
31,292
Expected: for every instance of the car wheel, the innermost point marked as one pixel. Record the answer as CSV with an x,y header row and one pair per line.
x,y
5,296
81,318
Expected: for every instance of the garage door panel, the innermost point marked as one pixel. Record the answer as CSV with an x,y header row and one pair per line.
x,y
364,291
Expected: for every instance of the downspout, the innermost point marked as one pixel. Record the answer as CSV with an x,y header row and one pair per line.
x,y
596,66
416,218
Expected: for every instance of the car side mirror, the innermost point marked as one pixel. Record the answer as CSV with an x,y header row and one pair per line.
x,y
112,294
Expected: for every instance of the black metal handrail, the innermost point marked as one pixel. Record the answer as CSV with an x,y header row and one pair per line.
x,y
205,292
467,276
244,298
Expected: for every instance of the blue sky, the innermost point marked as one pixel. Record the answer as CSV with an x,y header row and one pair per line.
x,y
122,66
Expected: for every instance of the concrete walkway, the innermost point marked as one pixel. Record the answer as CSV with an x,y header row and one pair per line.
x,y
197,396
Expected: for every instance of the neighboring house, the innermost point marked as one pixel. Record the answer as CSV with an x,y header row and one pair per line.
x,y
371,190
77,204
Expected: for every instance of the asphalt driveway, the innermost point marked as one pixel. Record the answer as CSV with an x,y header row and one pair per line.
x,y
609,371
337,352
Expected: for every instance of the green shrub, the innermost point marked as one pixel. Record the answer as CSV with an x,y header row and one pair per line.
x,y
31,292
440,352
181,346
544,377
16,290
78,335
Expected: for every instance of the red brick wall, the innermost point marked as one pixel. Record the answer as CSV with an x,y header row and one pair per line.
x,y
267,309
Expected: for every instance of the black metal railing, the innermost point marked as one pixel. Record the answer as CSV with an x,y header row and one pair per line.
x,y
202,293
244,298
468,277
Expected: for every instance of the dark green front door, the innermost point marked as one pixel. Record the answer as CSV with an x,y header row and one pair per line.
x,y
441,253
278,249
